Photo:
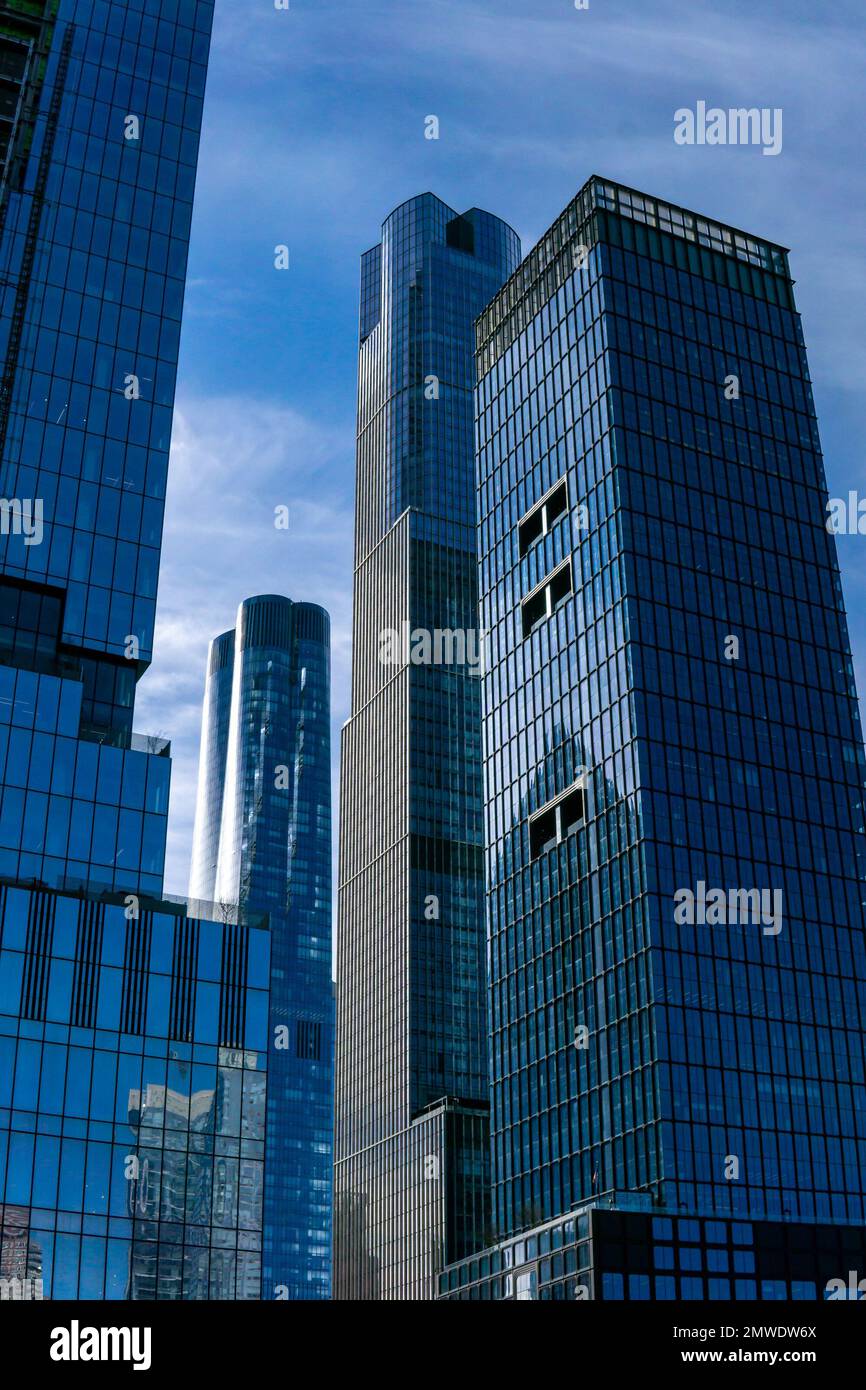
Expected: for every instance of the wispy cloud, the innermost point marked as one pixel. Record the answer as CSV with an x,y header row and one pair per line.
x,y
233,461
314,131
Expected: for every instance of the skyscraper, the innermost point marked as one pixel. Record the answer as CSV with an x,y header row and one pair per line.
x,y
95,209
673,777
412,1165
262,839
133,1035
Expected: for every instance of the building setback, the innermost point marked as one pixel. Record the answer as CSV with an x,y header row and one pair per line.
x,y
673,776
412,1164
262,839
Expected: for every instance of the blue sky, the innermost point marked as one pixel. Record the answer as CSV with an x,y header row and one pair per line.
x,y
314,131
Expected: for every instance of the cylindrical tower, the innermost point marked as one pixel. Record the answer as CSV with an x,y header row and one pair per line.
x,y
212,767
271,697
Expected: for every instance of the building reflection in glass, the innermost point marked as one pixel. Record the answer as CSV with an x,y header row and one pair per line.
x,y
196,1204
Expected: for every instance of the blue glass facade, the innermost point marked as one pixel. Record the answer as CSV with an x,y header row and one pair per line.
x,y
673,754
95,205
412,1170
133,1054
76,811
133,1031
93,255
263,839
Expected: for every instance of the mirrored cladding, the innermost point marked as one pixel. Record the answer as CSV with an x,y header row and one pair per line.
x,y
412,1145
262,839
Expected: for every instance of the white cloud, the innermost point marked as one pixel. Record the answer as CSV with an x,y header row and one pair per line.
x,y
233,460
313,133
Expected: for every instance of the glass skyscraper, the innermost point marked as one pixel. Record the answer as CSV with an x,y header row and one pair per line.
x,y
262,839
133,1030
412,1166
674,777
95,209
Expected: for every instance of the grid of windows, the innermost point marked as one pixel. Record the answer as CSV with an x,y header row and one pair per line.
x,y
95,205
760,1032
410,960
565,911
74,811
701,672
131,1160
416,1194
620,1255
132,1038
93,247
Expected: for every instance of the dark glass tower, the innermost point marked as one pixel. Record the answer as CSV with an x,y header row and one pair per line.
x,y
674,775
133,1034
412,1138
262,839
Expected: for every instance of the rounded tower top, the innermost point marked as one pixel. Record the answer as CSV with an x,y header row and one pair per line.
x,y
272,620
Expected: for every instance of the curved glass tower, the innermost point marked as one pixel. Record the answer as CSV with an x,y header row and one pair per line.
x,y
212,763
262,839
412,1166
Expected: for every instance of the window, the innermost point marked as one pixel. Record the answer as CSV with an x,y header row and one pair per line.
x,y
534,611
527,1287
556,821
540,519
460,234
309,1040
545,600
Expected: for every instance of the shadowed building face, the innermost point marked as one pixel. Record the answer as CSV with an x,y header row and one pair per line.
x,y
673,773
412,1148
